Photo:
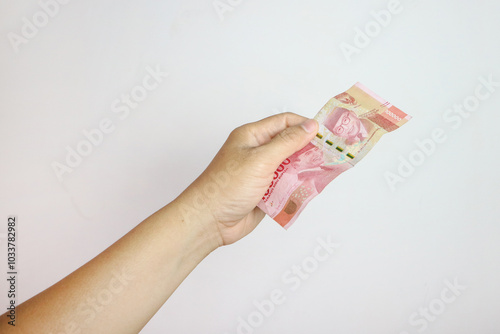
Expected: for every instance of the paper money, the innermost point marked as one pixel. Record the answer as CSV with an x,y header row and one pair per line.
x,y
350,124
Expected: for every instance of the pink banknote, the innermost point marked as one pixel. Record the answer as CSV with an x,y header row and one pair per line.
x,y
350,124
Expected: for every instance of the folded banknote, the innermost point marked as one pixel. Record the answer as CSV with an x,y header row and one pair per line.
x,y
350,124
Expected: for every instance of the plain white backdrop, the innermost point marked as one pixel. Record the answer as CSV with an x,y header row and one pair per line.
x,y
257,58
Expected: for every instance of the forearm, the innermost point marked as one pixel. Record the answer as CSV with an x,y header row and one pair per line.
x,y
124,286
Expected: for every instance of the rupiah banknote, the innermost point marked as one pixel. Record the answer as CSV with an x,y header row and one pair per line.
x,y
350,124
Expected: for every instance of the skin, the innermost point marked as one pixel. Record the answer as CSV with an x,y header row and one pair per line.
x,y
151,261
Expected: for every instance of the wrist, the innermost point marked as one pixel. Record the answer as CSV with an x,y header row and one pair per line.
x,y
197,221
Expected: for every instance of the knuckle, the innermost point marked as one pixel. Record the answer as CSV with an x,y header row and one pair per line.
x,y
289,114
237,132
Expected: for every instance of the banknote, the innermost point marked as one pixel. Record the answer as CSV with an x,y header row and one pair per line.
x,y
350,124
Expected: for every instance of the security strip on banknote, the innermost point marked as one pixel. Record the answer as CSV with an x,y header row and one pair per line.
x,y
350,124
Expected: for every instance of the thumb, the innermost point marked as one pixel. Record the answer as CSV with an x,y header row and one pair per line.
x,y
290,140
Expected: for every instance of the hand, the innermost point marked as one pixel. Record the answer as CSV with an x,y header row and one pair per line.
x,y
225,195
217,209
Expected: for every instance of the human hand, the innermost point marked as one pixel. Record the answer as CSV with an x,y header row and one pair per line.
x,y
225,196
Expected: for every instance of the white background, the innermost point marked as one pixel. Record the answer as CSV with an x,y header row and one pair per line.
x,y
397,247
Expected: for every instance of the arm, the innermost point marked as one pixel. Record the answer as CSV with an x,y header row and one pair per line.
x,y
218,208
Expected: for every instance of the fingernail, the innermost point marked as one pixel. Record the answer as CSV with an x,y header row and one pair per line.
x,y
309,125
